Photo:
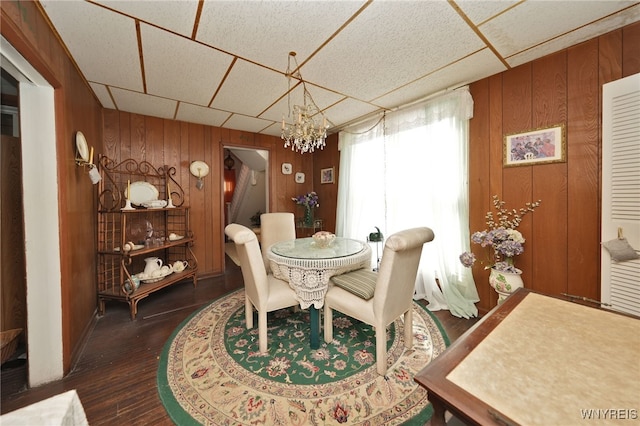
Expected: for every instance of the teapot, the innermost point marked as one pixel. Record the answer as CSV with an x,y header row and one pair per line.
x,y
180,265
152,264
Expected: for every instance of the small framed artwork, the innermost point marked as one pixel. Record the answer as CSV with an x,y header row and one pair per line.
x,y
299,177
326,175
286,168
546,145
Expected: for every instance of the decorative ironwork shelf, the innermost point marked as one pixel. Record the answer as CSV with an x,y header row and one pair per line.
x,y
127,237
115,177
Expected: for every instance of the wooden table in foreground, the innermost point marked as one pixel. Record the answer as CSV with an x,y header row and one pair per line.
x,y
540,360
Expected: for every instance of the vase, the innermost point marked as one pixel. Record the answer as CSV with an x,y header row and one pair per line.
x,y
307,219
505,283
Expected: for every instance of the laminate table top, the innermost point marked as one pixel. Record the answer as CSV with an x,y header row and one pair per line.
x,y
540,360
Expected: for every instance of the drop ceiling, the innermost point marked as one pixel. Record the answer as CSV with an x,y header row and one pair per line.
x,y
224,63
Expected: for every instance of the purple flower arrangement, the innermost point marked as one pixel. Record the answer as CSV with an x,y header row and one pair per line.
x,y
501,240
307,200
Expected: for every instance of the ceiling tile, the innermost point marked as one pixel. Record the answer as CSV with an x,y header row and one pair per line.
x,y
140,103
193,70
481,10
249,89
266,31
247,124
348,110
273,130
515,31
467,70
103,44
202,115
178,16
102,93
391,44
616,20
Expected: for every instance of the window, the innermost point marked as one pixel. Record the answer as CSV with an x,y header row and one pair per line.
x,y
407,170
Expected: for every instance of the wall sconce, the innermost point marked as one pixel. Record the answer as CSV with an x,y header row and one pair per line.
x,y
199,169
84,157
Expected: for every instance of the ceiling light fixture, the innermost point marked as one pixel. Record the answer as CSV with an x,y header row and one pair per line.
x,y
309,128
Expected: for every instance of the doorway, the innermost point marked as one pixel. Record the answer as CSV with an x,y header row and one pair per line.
x,y
246,189
250,190
13,286
41,240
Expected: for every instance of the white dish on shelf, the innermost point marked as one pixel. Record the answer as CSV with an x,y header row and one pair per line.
x,y
135,247
142,192
174,237
154,279
155,204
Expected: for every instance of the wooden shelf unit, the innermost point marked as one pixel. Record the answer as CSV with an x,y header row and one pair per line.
x,y
149,229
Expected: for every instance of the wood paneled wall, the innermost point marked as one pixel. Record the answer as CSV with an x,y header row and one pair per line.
x,y
562,249
25,27
174,143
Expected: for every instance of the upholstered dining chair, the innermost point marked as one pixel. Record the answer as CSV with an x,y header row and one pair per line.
x,y
262,291
275,227
379,298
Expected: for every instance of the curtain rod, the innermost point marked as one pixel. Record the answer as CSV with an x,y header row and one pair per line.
x,y
399,107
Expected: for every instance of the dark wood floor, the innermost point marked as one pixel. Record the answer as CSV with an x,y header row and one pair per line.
x,y
115,376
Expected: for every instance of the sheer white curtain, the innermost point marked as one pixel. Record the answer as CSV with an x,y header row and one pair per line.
x,y
411,169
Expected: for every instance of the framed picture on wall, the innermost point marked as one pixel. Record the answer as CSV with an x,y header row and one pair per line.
x,y
326,175
286,168
546,145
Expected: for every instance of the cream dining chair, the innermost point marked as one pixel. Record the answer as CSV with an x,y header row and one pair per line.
x,y
275,227
379,298
262,291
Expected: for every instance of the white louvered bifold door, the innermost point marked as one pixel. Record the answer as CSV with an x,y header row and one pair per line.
x,y
621,190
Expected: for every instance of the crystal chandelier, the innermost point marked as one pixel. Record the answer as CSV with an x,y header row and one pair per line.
x,y
308,130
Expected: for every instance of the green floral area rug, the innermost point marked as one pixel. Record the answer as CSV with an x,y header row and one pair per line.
x,y
212,373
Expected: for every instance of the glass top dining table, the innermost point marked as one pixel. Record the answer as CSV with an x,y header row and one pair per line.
x,y
307,248
308,268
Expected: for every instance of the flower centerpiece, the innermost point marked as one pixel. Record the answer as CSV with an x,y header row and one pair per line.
x,y
309,201
501,240
323,239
